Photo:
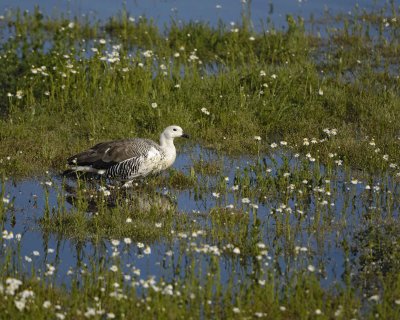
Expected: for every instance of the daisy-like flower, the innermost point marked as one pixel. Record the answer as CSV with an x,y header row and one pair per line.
x,y
147,250
236,310
19,94
236,250
205,111
148,54
115,243
140,245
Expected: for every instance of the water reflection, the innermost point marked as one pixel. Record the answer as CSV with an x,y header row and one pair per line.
x,y
285,214
136,198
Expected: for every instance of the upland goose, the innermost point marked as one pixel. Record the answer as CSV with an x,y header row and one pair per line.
x,y
128,159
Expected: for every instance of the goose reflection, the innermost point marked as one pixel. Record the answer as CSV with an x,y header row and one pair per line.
x,y
139,199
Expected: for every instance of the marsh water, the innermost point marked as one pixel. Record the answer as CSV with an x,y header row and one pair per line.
x,y
321,225
210,11
266,218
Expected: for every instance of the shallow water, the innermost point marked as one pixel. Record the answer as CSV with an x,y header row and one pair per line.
x,y
318,232
207,10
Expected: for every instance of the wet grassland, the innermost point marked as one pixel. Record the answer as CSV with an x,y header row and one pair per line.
x,y
284,205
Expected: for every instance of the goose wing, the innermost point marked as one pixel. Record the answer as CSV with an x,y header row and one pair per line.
x,y
106,154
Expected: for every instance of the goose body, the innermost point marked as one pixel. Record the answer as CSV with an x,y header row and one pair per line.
x,y
128,159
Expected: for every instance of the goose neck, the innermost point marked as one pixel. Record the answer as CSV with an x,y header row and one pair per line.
x,y
166,142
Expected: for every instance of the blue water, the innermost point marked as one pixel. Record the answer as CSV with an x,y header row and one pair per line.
x,y
162,11
326,252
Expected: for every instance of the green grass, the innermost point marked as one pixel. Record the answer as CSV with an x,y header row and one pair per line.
x,y
96,215
346,81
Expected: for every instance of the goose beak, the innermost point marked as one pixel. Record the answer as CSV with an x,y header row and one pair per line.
x,y
185,135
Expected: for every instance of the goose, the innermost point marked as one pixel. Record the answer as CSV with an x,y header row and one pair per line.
x,y
128,159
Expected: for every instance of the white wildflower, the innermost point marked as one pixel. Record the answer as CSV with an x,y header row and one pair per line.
x,y
90,312
148,54
236,310
140,245
20,304
205,111
115,243
147,250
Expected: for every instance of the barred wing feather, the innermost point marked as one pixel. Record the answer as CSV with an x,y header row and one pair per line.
x,y
107,154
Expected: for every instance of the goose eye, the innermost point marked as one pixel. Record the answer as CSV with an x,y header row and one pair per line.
x,y
174,129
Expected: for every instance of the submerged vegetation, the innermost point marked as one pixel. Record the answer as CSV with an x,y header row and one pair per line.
x,y
288,210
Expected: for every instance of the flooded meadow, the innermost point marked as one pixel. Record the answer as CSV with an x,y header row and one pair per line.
x,y
284,204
